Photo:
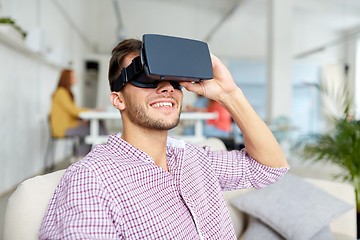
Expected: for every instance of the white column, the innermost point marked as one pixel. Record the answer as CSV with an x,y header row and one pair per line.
x,y
356,81
279,59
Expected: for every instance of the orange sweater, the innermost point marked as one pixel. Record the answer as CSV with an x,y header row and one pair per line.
x,y
223,122
64,112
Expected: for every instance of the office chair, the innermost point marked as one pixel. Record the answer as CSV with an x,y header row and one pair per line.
x,y
51,147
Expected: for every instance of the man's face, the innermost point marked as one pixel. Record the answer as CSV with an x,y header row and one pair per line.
x,y
155,108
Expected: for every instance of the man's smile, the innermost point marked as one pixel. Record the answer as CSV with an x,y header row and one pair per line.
x,y
162,104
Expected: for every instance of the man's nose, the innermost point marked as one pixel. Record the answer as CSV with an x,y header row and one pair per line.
x,y
165,86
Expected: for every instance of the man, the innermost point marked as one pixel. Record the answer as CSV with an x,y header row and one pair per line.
x,y
145,185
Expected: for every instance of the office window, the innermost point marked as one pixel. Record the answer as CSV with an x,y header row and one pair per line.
x,y
250,76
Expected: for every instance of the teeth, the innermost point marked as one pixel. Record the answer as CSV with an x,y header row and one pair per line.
x,y
162,104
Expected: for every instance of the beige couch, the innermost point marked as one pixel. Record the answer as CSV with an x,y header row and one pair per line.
x,y
29,202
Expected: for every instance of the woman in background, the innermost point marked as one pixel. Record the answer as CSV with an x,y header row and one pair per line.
x,y
64,115
220,127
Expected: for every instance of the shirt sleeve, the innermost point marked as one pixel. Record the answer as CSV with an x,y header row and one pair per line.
x,y
80,209
237,169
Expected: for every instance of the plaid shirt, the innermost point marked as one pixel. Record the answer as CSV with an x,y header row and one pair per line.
x,y
117,192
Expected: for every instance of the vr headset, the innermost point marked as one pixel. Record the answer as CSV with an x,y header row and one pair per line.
x,y
166,58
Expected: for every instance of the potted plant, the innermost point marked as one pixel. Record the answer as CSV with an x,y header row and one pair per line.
x,y
341,147
11,23
340,143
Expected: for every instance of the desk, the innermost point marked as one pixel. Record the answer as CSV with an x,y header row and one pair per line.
x,y
95,117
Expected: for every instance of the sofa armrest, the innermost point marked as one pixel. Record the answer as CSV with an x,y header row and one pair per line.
x,y
238,218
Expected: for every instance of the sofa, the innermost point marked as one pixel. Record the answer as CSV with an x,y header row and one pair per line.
x,y
293,208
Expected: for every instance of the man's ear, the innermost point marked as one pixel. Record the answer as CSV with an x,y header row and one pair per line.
x,y
117,100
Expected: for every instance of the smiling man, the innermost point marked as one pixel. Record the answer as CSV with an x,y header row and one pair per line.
x,y
145,185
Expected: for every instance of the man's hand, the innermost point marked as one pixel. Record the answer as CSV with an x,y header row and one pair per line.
x,y
222,84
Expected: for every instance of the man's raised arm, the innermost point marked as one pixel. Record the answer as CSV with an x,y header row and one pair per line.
x,y
259,141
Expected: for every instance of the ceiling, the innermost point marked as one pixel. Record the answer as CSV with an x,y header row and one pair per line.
x,y
233,28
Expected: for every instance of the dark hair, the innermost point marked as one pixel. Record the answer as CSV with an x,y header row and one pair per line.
x,y
65,80
118,54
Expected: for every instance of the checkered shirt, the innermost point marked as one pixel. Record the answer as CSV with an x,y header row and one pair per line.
x,y
117,192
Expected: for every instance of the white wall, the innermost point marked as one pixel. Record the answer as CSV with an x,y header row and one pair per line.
x,y
27,82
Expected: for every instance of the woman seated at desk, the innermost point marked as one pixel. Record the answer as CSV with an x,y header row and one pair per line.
x,y
220,127
64,114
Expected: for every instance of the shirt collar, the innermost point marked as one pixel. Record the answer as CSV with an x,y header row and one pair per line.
x,y
120,147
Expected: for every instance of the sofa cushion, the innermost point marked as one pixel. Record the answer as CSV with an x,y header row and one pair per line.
x,y
346,223
259,230
294,208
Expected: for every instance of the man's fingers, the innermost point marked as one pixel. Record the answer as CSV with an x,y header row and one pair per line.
x,y
194,87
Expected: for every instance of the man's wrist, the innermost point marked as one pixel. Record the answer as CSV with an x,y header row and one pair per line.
x,y
227,99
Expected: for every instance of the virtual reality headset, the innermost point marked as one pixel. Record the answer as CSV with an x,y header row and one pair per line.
x,y
166,58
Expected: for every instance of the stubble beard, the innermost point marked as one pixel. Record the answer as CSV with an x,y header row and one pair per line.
x,y
138,115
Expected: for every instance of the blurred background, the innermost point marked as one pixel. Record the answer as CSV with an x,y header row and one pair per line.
x,y
278,51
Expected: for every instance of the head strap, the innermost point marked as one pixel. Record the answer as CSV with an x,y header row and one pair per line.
x,y
127,74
